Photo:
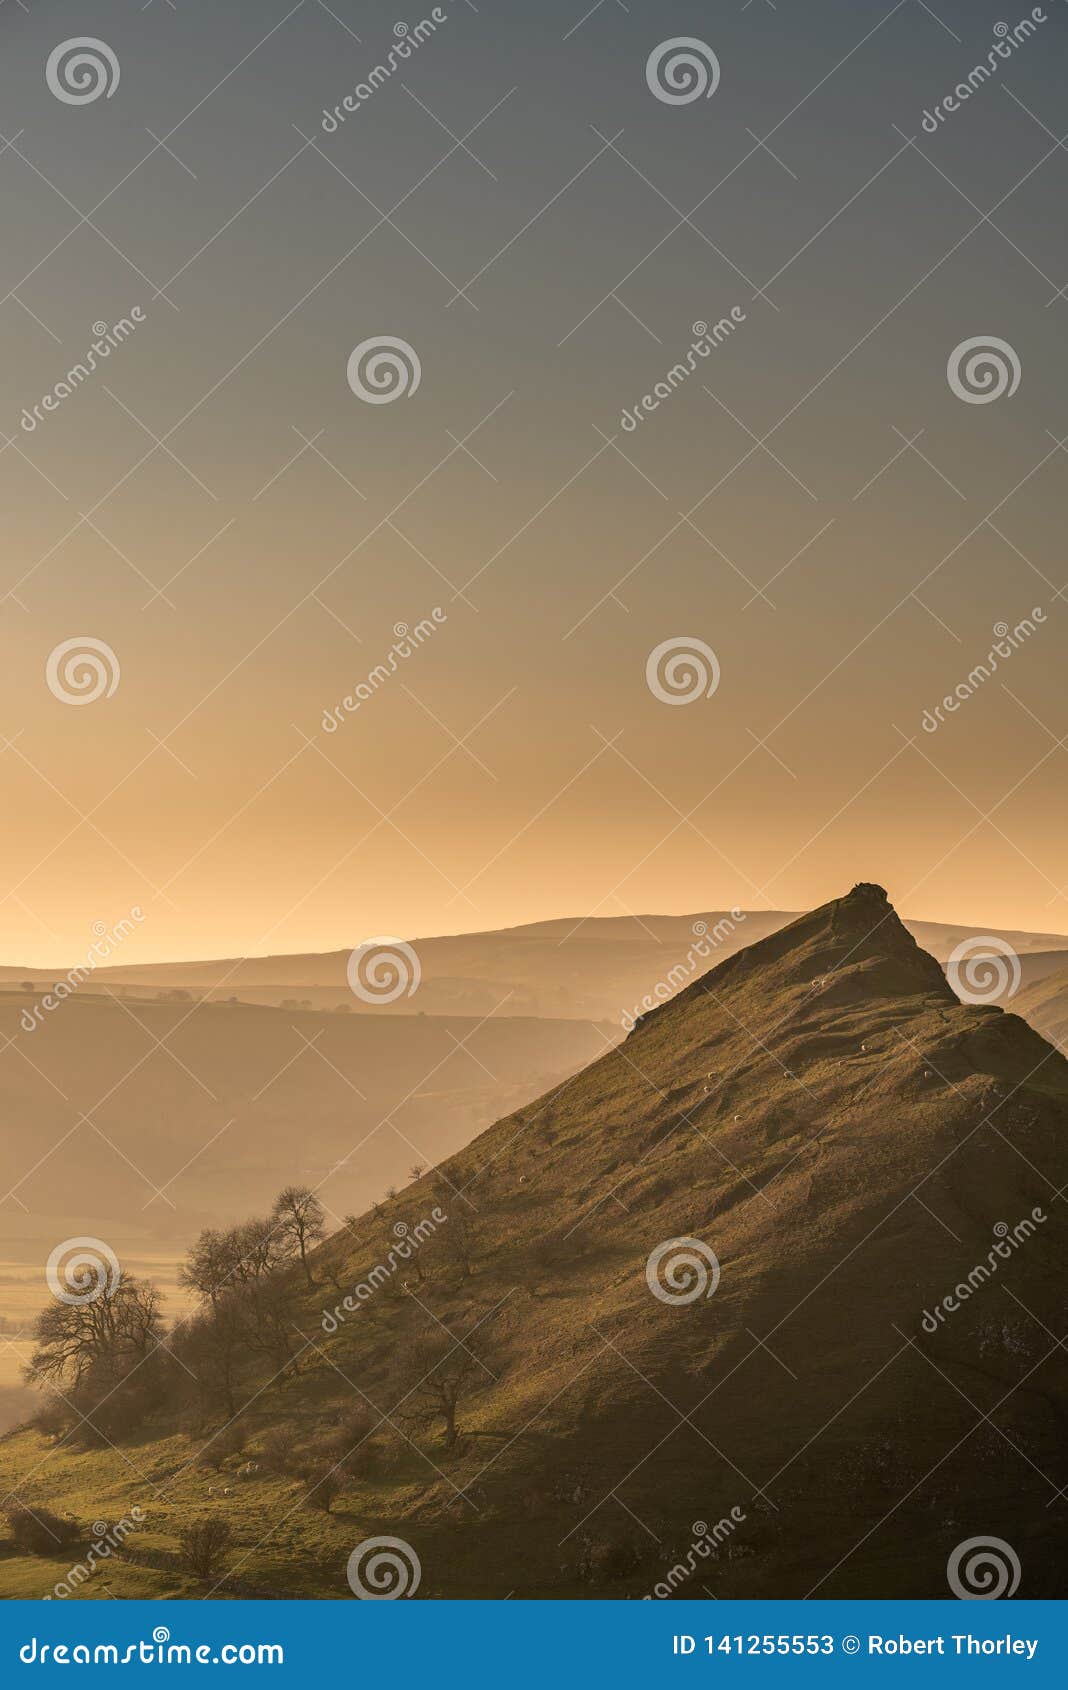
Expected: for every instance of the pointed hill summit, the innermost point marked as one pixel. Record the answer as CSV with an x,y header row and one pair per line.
x,y
782,1275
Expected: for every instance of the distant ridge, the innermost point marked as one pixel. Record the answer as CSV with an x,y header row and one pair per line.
x,y
712,1277
595,969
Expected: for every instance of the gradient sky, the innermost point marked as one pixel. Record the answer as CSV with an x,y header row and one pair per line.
x,y
245,585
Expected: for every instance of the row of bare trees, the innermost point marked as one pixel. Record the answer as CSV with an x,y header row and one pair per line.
x,y
107,1360
248,1305
109,1363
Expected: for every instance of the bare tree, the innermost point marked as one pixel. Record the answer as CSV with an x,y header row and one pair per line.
x,y
455,1239
438,1372
203,1546
325,1488
299,1219
210,1346
104,1358
257,1250
208,1265
120,1326
222,1261
268,1315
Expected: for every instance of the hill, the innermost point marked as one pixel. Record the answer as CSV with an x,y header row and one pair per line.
x,y
594,968
702,1306
147,1121
1044,1003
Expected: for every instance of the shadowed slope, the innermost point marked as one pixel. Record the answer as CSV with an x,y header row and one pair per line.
x,y
850,1141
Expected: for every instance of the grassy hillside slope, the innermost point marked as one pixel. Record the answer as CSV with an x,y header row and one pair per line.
x,y
850,1141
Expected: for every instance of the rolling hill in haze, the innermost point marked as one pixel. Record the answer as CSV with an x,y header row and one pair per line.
x,y
141,1122
1044,1003
595,968
708,1283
